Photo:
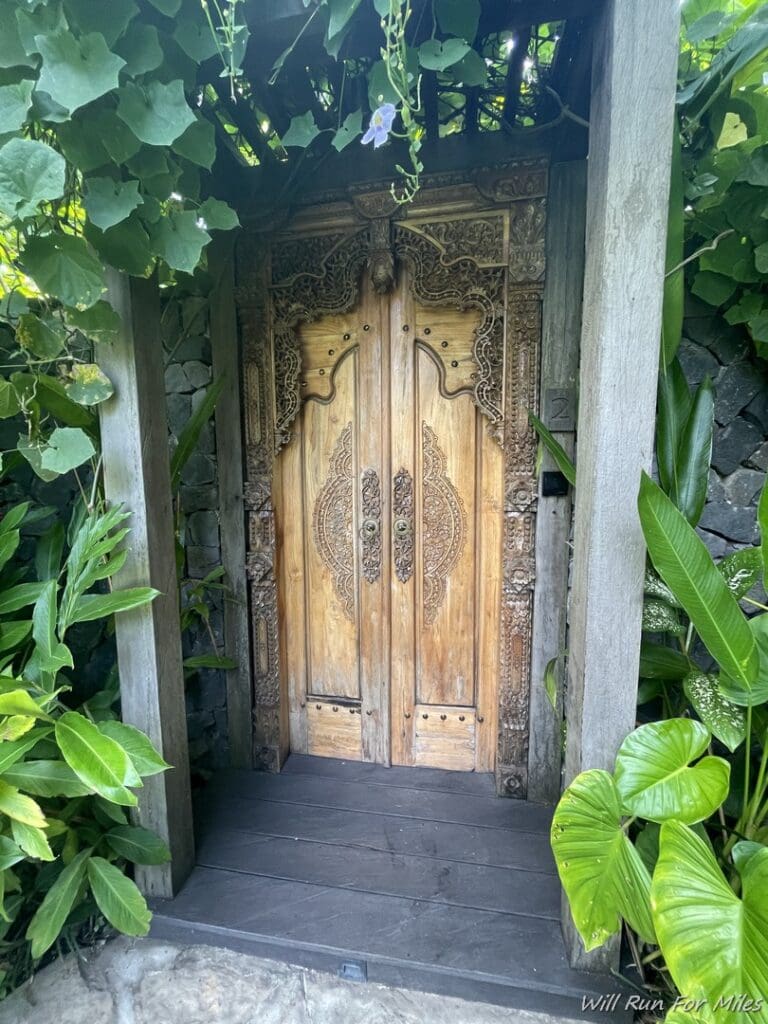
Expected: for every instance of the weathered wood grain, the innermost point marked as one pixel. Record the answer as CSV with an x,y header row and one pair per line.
x,y
134,438
627,200
561,329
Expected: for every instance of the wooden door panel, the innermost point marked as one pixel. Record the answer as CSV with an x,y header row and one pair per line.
x,y
446,543
330,471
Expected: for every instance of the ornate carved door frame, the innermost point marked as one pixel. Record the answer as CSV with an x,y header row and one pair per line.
x,y
468,243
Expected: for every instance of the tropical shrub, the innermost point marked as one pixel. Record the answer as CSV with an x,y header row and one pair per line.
x,y
68,773
675,841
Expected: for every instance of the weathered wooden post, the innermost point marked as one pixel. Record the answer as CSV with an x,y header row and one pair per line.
x,y
134,436
633,94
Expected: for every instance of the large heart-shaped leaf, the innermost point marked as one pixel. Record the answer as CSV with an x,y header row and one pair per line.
x,y
437,56
118,898
713,942
65,266
46,925
156,113
76,71
97,760
107,201
30,173
654,778
602,873
685,565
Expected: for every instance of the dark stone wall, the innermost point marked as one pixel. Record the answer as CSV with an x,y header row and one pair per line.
x,y
713,347
187,376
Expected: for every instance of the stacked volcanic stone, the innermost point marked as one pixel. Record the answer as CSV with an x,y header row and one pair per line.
x,y
712,347
187,376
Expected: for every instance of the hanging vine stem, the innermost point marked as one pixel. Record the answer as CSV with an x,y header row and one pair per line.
x,y
226,36
394,54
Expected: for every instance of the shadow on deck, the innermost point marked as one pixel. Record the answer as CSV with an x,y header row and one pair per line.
x,y
412,877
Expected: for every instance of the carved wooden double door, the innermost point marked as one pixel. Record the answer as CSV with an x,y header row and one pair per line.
x,y
390,533
390,360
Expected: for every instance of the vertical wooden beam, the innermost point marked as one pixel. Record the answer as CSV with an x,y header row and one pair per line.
x,y
134,438
561,331
229,453
631,118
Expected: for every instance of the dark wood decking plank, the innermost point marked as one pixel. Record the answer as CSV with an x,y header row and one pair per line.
x,y
510,949
431,805
471,783
500,848
450,882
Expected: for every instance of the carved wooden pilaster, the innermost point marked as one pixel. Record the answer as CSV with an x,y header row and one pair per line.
x,y
254,321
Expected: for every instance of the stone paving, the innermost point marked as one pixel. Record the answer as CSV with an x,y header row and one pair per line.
x,y
142,981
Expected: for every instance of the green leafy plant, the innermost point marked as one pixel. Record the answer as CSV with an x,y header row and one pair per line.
x,y
675,841
68,773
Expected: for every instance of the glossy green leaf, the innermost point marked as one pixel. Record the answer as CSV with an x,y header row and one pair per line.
x,y
694,455
138,845
77,71
218,216
215,661
66,449
198,143
30,173
350,130
146,760
98,606
99,323
654,778
602,873
125,246
118,898
561,458
179,238
756,692
157,113
685,565
19,702
15,101
190,434
10,753
713,942
20,596
674,407
46,779
713,288
741,570
140,48
301,131
660,662
9,400
42,339
19,807
10,853
32,840
89,385
674,281
65,266
107,201
435,55
45,927
723,719
658,617
96,759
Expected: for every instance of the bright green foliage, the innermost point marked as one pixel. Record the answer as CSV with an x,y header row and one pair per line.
x,y
654,777
713,941
65,777
76,71
602,873
723,102
30,173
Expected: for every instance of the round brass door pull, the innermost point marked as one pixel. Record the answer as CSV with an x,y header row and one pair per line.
x,y
402,527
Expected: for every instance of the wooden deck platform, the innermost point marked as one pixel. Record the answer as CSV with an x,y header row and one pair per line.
x,y
406,876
